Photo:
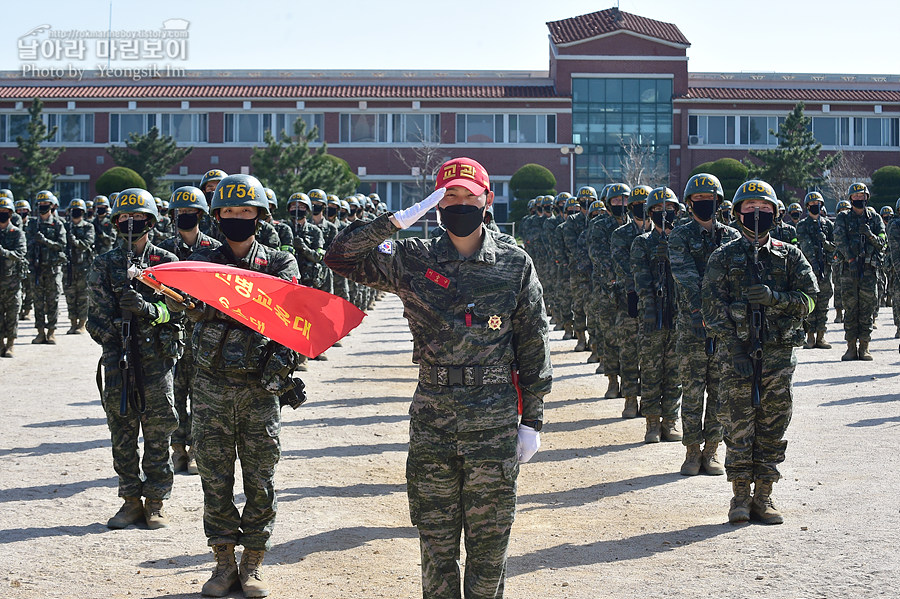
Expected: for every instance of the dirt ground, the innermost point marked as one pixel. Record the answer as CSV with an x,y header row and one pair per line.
x,y
600,513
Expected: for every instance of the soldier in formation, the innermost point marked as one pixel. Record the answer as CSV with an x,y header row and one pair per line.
x,y
12,271
815,236
79,254
47,240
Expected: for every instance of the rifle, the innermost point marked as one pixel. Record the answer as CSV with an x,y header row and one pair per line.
x,y
132,374
820,249
756,318
37,255
710,343
861,257
70,276
661,283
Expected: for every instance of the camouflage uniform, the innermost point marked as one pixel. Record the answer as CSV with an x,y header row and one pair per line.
x,y
329,231
690,247
80,253
308,250
340,285
46,253
816,241
285,236
564,289
159,344
104,234
862,257
164,229
660,380
607,299
893,235
784,232
234,414
184,369
754,437
626,331
12,271
579,284
552,283
483,312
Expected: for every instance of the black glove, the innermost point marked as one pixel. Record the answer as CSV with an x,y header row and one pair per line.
x,y
174,306
865,230
697,326
632,304
743,365
295,397
132,301
662,250
761,294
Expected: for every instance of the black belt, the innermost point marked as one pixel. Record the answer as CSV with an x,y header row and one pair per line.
x,y
465,375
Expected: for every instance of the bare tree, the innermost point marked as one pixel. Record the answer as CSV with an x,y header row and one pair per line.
x,y
847,169
640,164
423,160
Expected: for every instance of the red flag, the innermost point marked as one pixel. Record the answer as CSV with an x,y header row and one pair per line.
x,y
305,319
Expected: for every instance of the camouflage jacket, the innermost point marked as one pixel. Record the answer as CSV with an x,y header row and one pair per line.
x,y
486,310
160,337
784,232
182,250
80,245
46,242
655,289
537,249
690,247
328,228
309,248
816,240
851,240
583,259
620,247
104,234
600,232
266,235
729,274
163,229
571,230
548,237
223,345
12,256
893,236
285,236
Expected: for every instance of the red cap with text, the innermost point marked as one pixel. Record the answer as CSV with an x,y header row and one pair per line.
x,y
463,172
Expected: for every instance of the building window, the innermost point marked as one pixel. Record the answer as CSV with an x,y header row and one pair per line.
x,y
12,126
66,191
122,125
416,128
186,128
881,132
532,128
72,128
732,130
364,128
284,123
479,128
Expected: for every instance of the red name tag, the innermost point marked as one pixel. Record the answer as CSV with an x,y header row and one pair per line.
x,y
204,243
261,261
154,258
436,277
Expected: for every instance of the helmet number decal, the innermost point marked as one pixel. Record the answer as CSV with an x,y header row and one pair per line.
x,y
131,199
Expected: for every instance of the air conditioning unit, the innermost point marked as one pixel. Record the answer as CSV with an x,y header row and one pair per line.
x,y
695,140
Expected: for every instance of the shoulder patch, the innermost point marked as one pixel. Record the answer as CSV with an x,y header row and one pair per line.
x,y
261,261
204,242
386,247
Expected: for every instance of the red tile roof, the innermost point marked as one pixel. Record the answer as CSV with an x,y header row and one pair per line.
x,y
186,92
610,21
792,94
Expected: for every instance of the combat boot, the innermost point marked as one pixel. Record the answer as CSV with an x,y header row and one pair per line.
x,y
153,513
670,430
302,367
739,511
81,324
612,391
582,341
50,339
4,349
225,576
691,465
820,341
41,338
559,326
74,328
192,462
179,457
321,357
24,314
653,432
131,512
762,507
569,334
710,461
850,354
863,353
594,358
897,333
810,340
838,315
631,408
251,576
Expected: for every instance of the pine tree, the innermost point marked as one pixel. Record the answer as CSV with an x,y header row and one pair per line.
x,y
151,156
30,171
796,163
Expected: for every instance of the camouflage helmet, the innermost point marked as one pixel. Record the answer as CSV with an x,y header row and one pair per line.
x,y
7,193
46,196
531,204
660,196
780,206
300,198
7,203
354,202
317,195
77,203
640,193
703,183
795,207
843,205
813,196
375,198
332,200
158,202
211,175
89,204
271,198
135,200
112,197
596,206
23,205
101,201
189,197
381,208
858,188
587,194
572,202
561,199
896,207
754,190
618,189
726,206
239,190
345,205
886,211
603,195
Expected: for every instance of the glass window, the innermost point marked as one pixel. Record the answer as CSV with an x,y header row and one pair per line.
x,y
18,125
580,91
416,128
692,125
363,128
247,128
825,130
759,130
631,90
73,128
648,91
613,90
597,90
873,132
715,130
178,126
481,128
845,131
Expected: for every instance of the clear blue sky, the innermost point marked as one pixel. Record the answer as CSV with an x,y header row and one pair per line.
x,y
759,35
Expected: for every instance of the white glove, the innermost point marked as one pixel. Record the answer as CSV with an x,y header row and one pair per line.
x,y
528,443
408,217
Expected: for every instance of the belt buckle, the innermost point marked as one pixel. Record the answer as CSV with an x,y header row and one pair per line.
x,y
455,376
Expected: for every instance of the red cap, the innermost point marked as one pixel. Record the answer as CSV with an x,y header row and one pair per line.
x,y
463,172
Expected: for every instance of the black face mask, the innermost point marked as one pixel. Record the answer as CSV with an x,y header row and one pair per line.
x,y
637,210
139,228
237,229
90,213
343,215
704,209
666,217
4,217
317,209
814,208
188,221
859,203
795,215
44,208
331,212
77,213
101,211
617,210
299,215
766,220
209,195
462,220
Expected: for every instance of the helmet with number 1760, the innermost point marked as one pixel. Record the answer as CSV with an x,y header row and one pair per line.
x,y
189,197
239,190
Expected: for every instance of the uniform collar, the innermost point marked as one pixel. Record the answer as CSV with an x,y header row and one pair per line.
x,y
444,250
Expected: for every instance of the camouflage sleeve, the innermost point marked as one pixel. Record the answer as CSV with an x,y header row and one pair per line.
x,y
716,298
17,252
356,254
840,237
643,278
531,345
792,234
309,252
621,258
894,243
104,312
87,244
284,266
880,236
684,270
57,245
559,246
799,300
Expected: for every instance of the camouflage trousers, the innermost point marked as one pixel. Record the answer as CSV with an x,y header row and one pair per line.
x,y
10,304
564,294
184,382
818,319
627,333
607,309
895,300
46,297
837,270
580,286
700,375
155,424
462,482
234,417
341,288
754,437
860,302
77,296
27,292
660,378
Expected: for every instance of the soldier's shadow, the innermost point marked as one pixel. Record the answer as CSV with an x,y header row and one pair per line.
x,y
583,495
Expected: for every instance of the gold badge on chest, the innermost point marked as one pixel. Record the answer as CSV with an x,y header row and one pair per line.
x,y
494,323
